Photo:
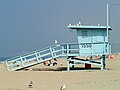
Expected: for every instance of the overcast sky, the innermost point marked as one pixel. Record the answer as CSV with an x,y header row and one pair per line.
x,y
27,25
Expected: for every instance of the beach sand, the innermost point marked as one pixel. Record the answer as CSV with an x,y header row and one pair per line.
x,y
52,78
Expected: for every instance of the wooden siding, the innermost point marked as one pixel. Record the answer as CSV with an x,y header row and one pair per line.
x,y
93,42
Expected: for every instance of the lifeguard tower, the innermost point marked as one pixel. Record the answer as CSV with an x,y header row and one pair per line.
x,y
92,40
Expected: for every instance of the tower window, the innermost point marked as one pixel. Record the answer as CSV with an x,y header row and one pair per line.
x,y
84,34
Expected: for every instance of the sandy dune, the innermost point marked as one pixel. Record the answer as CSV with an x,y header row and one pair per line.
x,y
48,79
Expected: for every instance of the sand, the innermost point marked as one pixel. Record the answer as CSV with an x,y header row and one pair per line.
x,y
44,78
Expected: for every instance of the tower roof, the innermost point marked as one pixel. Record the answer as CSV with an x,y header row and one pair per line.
x,y
88,27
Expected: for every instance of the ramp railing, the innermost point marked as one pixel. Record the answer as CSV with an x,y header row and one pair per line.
x,y
43,55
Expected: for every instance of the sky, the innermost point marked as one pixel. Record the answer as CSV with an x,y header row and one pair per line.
x,y
27,25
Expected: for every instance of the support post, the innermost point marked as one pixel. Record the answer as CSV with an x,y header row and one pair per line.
x,y
103,62
68,64
107,20
107,29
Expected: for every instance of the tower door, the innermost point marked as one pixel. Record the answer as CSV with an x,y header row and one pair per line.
x,y
98,49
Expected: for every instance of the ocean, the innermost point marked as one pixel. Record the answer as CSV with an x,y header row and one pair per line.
x,y
4,58
115,48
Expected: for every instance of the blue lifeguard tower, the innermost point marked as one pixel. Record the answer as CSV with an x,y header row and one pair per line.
x,y
92,40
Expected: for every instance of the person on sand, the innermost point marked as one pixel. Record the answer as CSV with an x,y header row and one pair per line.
x,y
50,63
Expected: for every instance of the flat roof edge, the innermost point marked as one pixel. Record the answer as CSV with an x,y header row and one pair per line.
x,y
88,27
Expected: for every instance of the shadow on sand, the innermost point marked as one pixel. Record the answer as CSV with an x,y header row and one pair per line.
x,y
60,69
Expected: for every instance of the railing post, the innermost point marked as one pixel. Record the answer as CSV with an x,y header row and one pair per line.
x,y
36,56
22,61
7,65
67,49
54,54
51,52
63,50
40,56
